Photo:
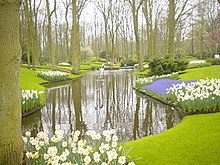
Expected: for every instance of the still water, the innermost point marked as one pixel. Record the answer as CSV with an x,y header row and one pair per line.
x,y
99,102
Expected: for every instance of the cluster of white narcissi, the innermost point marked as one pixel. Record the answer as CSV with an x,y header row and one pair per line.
x,y
30,99
205,92
60,149
201,89
53,74
28,95
149,80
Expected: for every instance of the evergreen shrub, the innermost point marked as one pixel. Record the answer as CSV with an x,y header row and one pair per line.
x,y
213,61
162,66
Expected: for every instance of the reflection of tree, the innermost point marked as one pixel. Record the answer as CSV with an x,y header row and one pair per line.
x,y
108,116
169,118
76,94
59,104
99,93
136,120
53,110
147,124
69,109
32,123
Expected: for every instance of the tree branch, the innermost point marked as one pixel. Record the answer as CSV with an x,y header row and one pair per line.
x,y
55,6
139,5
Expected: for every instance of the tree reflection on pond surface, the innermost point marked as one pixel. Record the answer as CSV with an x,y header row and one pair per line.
x,y
100,103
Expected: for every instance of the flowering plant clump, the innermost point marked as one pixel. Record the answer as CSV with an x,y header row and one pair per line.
x,y
148,80
94,148
160,86
64,64
53,75
30,99
201,95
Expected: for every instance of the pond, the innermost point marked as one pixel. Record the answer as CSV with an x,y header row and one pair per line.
x,y
99,102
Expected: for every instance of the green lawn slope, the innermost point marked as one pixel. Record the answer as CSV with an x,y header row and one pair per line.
x,y
30,80
196,140
201,73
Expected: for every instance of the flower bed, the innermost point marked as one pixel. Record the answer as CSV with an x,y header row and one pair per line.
x,y
191,96
148,80
64,64
70,149
30,99
202,95
160,86
53,75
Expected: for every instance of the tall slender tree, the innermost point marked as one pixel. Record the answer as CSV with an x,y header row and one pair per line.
x,y
176,10
11,144
49,32
104,6
171,28
67,5
148,14
75,40
135,7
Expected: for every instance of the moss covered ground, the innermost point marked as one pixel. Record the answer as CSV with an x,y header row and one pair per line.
x,y
196,140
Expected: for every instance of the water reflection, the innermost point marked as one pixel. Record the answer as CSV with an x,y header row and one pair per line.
x,y
99,103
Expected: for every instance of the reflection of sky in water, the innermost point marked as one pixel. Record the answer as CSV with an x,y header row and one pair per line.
x,y
91,103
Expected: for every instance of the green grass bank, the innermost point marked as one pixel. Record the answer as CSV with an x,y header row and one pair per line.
x,y
29,80
196,140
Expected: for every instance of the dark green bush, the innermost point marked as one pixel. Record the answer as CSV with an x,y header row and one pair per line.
x,y
162,66
128,63
213,61
204,55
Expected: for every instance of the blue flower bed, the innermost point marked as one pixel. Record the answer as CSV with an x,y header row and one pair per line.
x,y
160,86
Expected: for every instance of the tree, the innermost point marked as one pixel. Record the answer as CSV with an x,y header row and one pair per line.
x,y
176,10
171,29
49,32
104,6
75,40
77,8
67,4
135,6
11,144
147,10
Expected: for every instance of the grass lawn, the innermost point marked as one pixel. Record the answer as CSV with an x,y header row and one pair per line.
x,y
201,73
196,140
145,72
30,80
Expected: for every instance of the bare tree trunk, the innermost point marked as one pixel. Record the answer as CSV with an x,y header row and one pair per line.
x,y
56,34
67,5
11,144
171,29
106,40
147,9
75,40
135,10
49,33
36,36
26,39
